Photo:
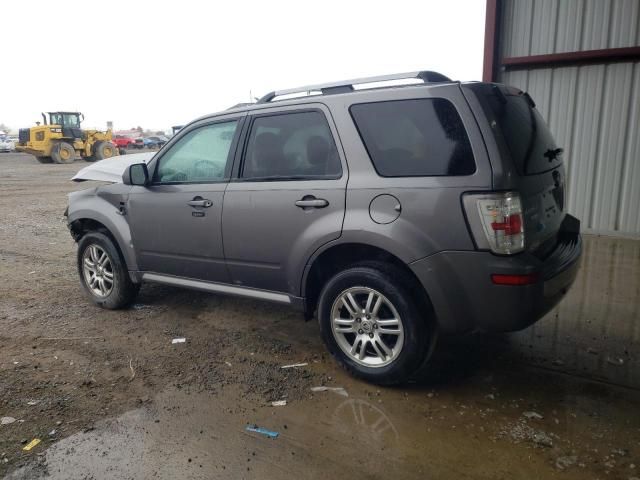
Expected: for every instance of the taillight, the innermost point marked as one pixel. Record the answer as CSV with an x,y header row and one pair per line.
x,y
501,220
525,279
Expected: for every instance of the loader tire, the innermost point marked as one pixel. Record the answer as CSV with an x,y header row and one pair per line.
x,y
102,150
44,159
63,153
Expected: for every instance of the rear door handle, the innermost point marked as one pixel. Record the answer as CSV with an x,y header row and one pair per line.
x,y
312,202
200,202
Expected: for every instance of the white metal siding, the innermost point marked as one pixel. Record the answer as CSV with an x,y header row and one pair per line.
x,y
593,110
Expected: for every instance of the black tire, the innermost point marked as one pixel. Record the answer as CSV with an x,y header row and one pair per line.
x,y
418,325
44,159
102,150
62,152
123,291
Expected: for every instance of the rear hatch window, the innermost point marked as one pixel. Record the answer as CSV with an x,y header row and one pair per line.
x,y
514,119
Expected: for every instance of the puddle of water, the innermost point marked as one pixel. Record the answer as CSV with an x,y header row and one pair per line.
x,y
466,423
595,330
454,432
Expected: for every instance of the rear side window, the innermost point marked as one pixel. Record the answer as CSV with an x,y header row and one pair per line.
x,y
291,146
414,138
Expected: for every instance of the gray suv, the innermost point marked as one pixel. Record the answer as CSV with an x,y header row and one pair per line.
x,y
393,213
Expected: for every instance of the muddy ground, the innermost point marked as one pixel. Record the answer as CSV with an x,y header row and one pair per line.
x,y
110,396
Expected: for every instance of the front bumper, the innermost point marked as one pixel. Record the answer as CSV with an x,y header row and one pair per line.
x,y
465,298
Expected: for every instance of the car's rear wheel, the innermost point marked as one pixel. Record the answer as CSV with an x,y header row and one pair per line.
x,y
373,324
62,152
103,273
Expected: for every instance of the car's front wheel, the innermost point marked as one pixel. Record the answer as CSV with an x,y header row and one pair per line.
x,y
373,324
103,273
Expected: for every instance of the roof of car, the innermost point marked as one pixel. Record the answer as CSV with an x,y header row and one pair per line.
x,y
311,93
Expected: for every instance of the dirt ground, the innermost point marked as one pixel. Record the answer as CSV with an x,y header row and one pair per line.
x,y
110,396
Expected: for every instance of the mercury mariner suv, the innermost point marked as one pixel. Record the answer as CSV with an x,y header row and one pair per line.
x,y
392,213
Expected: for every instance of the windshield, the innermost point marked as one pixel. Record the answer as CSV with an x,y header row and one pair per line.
x,y
515,120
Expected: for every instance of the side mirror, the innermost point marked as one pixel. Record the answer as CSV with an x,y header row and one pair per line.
x,y
136,174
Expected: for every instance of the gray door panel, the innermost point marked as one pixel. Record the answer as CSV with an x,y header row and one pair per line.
x,y
175,238
176,221
266,236
272,226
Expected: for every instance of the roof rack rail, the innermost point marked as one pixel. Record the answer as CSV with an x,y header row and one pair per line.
x,y
347,85
239,105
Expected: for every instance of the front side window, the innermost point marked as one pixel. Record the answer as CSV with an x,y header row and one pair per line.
x,y
202,155
291,146
414,138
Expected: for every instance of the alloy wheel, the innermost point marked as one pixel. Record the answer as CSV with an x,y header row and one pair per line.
x,y
98,270
367,327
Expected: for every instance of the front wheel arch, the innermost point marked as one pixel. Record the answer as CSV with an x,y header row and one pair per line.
x,y
80,227
117,290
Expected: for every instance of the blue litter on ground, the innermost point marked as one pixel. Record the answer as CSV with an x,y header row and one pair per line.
x,y
263,431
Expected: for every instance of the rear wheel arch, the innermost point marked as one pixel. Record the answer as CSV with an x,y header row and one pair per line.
x,y
346,255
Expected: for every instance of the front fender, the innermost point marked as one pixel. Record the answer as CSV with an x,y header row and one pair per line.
x,y
104,211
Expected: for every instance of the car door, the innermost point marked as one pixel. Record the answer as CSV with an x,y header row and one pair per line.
x,y
176,220
286,199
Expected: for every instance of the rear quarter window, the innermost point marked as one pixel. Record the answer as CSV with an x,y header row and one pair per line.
x,y
414,138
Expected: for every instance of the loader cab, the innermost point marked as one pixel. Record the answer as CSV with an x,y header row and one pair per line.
x,y
69,121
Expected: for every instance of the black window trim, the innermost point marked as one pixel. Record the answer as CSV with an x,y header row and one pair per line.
x,y
301,178
364,144
184,132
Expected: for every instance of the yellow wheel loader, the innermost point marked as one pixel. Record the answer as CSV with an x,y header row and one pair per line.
x,y
60,139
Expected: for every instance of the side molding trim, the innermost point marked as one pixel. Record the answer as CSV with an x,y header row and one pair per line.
x,y
217,287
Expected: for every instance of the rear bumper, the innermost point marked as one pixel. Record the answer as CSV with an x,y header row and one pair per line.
x,y
465,298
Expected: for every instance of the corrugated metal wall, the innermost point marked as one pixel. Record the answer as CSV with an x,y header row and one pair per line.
x,y
593,110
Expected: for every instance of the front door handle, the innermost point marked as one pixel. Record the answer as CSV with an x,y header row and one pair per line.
x,y
309,201
200,202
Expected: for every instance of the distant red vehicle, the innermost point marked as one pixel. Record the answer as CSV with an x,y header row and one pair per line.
x,y
122,141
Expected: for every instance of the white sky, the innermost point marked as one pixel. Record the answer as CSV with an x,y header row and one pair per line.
x,y
162,63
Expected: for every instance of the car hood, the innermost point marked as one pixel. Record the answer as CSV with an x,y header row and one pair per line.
x,y
111,169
